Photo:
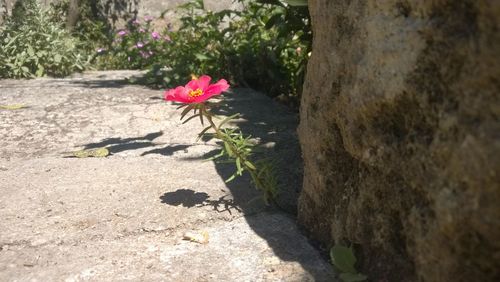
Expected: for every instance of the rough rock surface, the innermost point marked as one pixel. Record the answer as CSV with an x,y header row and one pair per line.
x,y
123,217
400,131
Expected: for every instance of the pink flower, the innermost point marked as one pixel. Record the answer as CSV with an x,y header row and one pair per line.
x,y
155,35
197,90
144,54
122,32
135,22
148,18
139,45
142,30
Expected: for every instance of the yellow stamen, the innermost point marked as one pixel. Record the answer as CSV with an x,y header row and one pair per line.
x,y
195,93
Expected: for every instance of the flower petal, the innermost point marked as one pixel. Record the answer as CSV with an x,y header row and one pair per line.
x,y
217,88
200,83
179,94
203,82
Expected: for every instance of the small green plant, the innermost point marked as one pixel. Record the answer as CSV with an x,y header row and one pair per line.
x,y
236,147
32,45
344,260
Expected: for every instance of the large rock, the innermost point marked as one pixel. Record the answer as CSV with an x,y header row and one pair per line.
x,y
400,134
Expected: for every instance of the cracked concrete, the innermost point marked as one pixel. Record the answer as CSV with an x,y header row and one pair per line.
x,y
123,217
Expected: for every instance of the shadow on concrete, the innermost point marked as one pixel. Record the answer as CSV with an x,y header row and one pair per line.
x,y
184,197
189,198
167,151
118,144
100,83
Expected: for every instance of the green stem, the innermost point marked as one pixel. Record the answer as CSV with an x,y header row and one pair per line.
x,y
221,136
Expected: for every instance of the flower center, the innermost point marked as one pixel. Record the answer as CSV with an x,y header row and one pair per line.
x,y
195,93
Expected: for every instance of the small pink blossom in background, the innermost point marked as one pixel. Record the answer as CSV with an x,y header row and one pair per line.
x,y
139,45
197,90
145,55
142,30
136,22
155,35
148,18
122,32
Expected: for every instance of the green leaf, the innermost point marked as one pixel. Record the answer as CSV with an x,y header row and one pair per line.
x,y
186,110
230,178
201,57
228,149
221,154
96,153
228,119
12,107
40,70
203,132
57,58
343,258
182,106
31,52
190,118
238,166
273,21
352,277
250,165
201,119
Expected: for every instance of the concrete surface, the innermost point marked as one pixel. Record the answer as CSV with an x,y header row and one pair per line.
x,y
123,217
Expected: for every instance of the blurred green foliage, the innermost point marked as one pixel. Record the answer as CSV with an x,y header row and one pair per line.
x,y
137,46
264,46
92,28
33,44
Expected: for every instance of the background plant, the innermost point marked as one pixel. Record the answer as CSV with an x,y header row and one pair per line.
x,y
90,27
32,44
137,46
264,46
